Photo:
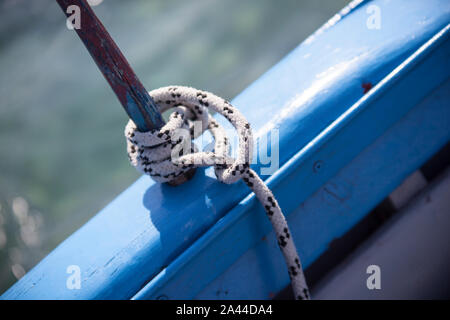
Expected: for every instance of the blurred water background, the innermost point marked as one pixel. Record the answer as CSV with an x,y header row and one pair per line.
x,y
54,174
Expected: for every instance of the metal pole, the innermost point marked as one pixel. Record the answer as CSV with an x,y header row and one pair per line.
x,y
131,93
134,98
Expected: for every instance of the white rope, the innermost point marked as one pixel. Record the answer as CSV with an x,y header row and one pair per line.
x,y
162,154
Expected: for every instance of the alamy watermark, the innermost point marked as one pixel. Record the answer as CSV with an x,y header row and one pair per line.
x,y
373,282
373,22
74,20
73,281
267,148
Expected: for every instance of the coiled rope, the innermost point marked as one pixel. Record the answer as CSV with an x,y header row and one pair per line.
x,y
162,154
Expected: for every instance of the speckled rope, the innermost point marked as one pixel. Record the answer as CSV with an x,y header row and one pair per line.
x,y
164,155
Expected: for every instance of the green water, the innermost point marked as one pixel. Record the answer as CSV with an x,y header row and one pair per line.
x,y
54,173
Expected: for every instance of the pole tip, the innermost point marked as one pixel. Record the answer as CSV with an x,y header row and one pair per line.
x,y
182,178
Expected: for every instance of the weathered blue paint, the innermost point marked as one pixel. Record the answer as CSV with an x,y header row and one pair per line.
x,y
357,128
157,240
336,206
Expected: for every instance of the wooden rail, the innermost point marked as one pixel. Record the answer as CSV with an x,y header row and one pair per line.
x,y
341,151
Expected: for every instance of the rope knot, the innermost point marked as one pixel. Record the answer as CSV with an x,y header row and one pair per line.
x,y
167,153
